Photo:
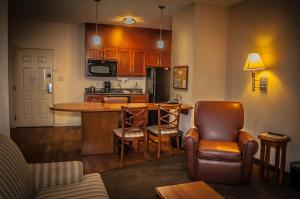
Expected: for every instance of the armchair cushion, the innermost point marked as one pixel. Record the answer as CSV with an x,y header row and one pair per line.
x,y
91,187
219,150
56,173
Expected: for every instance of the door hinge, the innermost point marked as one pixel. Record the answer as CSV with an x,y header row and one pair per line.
x,y
15,117
15,88
14,58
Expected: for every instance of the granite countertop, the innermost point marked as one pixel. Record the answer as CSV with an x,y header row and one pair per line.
x,y
116,91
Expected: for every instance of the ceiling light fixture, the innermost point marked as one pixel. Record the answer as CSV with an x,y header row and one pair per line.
x,y
96,37
128,20
160,43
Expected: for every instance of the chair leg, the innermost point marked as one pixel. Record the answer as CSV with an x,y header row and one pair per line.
x,y
159,147
177,140
122,152
138,149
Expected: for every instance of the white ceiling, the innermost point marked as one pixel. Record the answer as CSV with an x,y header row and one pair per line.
x,y
110,11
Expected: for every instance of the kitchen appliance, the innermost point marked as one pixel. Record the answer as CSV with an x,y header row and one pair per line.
x,y
102,68
107,86
158,88
158,84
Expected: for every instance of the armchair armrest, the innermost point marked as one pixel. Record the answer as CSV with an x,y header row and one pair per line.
x,y
56,173
191,140
249,147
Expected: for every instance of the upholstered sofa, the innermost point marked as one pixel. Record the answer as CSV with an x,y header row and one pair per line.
x,y
217,149
46,180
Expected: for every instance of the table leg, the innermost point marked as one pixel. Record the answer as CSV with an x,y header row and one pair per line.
x,y
277,158
262,159
267,162
282,167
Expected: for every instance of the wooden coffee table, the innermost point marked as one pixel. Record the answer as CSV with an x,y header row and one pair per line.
x,y
192,190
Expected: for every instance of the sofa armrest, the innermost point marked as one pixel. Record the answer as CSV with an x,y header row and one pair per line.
x,y
249,147
191,140
56,173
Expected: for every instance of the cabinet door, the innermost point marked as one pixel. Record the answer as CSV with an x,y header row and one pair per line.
x,y
138,62
139,98
124,67
110,53
93,98
152,58
165,59
94,53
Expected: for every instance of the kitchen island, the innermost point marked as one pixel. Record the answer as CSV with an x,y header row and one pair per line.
x,y
98,121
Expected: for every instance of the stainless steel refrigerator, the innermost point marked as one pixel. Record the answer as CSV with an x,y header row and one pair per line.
x,y
158,84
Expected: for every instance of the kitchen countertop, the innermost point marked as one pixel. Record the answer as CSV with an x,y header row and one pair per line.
x,y
104,107
115,94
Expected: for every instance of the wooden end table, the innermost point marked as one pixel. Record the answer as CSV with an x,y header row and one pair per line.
x,y
192,190
278,141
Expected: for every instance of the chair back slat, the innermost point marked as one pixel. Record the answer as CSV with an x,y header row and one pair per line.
x,y
168,116
133,118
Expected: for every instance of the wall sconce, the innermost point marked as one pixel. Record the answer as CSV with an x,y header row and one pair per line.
x,y
253,64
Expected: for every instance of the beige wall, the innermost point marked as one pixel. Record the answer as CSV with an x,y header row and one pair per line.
x,y
272,29
67,41
200,34
4,94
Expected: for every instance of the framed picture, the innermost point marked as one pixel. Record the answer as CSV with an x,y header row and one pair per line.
x,y
180,77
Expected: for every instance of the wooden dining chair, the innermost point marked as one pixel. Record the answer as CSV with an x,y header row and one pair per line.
x,y
168,125
134,128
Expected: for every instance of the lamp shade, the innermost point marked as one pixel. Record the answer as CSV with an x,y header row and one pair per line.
x,y
254,62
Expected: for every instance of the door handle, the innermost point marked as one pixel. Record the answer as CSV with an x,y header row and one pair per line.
x,y
49,88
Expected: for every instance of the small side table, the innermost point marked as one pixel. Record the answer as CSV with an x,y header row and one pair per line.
x,y
278,141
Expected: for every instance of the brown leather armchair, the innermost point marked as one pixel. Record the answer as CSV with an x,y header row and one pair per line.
x,y
217,150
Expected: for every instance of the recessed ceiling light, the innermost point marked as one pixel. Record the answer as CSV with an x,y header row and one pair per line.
x,y
129,20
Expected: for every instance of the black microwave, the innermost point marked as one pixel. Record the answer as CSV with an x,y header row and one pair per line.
x,y
102,68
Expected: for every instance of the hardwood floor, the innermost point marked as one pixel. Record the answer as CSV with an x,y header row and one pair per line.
x,y
53,144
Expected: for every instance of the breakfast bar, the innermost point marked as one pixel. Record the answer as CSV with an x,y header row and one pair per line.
x,y
98,121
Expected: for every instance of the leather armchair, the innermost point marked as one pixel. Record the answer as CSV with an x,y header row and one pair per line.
x,y
217,150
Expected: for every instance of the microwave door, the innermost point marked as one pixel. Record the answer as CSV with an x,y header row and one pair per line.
x,y
98,70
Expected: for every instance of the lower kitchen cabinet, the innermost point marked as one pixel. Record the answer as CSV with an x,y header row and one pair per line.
x,y
93,98
139,98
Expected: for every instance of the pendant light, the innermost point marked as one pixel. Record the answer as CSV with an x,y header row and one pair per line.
x,y
160,43
96,37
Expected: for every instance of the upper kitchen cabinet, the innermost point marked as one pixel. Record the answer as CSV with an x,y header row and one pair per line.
x,y
134,48
131,62
124,65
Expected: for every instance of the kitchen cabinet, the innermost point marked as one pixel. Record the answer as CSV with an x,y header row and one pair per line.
x,y
131,62
124,66
152,58
93,98
104,53
139,98
158,59
138,63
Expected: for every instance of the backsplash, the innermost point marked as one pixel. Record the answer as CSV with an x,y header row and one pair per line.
x,y
118,82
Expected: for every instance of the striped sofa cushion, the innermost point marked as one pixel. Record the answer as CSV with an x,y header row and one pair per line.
x,y
15,176
56,173
91,187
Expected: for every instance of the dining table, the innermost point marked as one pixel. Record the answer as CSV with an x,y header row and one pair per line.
x,y
98,121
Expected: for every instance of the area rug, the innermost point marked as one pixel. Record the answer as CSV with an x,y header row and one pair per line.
x,y
138,182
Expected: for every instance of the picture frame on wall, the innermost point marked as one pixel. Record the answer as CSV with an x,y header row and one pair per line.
x,y
180,77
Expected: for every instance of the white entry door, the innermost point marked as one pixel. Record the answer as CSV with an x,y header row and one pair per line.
x,y
33,87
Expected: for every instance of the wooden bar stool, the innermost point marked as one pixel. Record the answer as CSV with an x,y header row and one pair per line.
x,y
279,142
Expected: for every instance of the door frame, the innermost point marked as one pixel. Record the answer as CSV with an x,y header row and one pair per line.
x,y
12,83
